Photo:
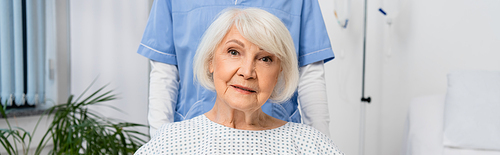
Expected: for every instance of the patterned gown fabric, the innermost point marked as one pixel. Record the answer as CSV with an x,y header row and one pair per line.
x,y
202,136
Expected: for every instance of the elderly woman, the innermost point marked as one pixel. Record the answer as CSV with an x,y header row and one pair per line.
x,y
247,56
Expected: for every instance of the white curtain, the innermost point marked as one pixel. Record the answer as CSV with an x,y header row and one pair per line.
x,y
13,71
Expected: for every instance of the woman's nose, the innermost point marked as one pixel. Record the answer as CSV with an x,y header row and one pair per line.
x,y
247,70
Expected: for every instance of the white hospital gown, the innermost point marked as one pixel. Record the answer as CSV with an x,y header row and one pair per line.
x,y
202,136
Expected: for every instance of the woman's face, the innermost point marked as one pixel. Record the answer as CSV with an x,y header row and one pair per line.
x,y
244,75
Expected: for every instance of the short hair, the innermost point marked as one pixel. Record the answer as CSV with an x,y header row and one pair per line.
x,y
262,29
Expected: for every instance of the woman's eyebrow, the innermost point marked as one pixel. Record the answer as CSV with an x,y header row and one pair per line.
x,y
237,42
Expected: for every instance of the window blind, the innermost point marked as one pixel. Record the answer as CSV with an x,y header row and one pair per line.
x,y
22,52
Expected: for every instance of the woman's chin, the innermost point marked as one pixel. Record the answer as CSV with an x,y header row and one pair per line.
x,y
243,105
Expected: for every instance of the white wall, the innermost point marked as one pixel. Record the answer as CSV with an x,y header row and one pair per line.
x,y
105,36
432,38
407,59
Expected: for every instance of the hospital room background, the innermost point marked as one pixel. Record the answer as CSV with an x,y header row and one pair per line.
x,y
411,48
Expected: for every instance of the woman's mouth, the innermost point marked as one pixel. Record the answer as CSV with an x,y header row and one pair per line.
x,y
244,90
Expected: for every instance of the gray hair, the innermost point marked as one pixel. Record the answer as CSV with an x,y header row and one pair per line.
x,y
262,29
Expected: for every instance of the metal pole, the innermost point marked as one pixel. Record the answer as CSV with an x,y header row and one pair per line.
x,y
363,99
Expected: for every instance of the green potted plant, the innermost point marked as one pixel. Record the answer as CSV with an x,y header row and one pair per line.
x,y
76,130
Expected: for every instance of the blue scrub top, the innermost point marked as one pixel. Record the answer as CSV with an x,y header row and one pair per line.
x,y
175,28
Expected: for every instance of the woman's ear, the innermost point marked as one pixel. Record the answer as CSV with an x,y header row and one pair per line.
x,y
211,67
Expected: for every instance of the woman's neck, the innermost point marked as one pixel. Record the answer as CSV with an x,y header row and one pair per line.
x,y
254,119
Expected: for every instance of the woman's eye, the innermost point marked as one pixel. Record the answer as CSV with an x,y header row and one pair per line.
x,y
266,59
233,52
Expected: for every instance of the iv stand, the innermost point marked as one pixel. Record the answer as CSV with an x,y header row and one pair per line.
x,y
363,99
